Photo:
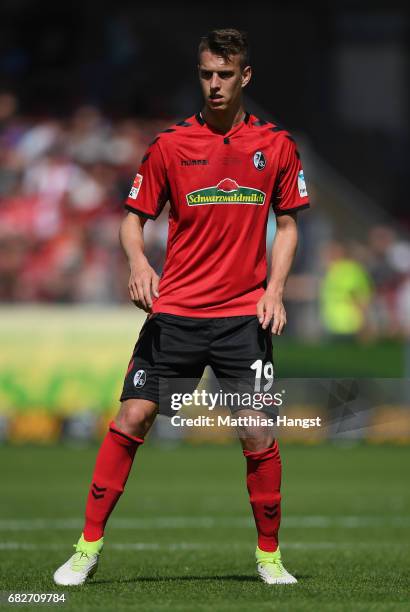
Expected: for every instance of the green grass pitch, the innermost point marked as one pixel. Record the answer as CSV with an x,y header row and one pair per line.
x,y
182,538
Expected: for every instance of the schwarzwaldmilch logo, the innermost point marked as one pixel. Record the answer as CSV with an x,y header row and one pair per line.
x,y
226,191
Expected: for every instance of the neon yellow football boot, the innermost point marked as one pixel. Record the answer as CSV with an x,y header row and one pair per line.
x,y
82,565
270,568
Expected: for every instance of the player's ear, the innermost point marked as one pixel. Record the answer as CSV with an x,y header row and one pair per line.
x,y
246,75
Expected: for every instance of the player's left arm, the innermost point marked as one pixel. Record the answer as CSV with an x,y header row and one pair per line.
x,y
289,196
270,307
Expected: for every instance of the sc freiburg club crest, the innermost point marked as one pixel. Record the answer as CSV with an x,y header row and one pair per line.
x,y
140,378
259,160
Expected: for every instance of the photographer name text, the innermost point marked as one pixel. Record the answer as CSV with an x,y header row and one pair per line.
x,y
245,421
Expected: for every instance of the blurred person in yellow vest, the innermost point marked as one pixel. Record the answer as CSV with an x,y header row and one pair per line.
x,y
345,293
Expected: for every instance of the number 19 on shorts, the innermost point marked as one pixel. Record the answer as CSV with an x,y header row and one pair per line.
x,y
262,370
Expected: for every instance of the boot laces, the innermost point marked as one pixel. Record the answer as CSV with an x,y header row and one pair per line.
x,y
80,559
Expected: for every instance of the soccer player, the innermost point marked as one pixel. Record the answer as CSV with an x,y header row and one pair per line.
x,y
222,170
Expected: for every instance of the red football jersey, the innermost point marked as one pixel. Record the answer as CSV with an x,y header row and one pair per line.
x,y
220,188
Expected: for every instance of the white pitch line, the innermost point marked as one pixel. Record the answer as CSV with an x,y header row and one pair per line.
x,y
175,546
209,522
114,546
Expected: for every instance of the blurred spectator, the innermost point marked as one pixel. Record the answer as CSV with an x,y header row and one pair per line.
x,y
345,293
88,136
11,131
403,306
8,106
389,261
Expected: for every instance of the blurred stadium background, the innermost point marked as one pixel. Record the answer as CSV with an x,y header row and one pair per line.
x,y
83,93
84,87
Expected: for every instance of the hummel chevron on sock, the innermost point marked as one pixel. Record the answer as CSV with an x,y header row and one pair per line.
x,y
112,467
264,471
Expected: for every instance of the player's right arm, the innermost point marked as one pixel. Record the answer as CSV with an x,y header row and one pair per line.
x,y
146,199
144,281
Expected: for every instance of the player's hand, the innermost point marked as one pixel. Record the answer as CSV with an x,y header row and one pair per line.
x,y
270,308
143,286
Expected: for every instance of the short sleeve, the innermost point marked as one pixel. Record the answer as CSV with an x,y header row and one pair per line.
x,y
290,192
149,191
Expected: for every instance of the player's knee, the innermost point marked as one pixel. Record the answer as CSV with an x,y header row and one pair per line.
x,y
258,441
136,416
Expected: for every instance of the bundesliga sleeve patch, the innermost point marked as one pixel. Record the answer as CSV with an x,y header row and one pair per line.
x,y
302,185
136,186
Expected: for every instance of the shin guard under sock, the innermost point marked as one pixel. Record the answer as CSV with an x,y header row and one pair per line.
x,y
264,471
112,467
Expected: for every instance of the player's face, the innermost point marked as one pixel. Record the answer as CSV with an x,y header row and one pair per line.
x,y
222,81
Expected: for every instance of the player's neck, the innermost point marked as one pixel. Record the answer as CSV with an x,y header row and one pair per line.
x,y
223,121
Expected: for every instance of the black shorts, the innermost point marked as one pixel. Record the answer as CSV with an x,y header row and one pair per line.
x,y
172,352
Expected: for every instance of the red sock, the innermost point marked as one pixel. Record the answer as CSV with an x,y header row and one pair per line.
x,y
264,471
112,467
